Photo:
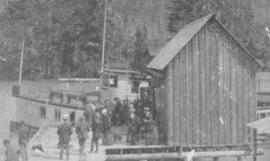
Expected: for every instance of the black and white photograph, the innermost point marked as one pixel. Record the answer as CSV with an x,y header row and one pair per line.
x,y
135,80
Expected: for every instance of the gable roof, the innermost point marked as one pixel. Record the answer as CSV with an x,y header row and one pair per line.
x,y
176,44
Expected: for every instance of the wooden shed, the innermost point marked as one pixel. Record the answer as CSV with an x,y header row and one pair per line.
x,y
205,86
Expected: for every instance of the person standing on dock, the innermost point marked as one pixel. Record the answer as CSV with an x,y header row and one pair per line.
x,y
133,127
23,135
117,112
89,113
106,126
97,130
64,131
147,126
109,106
82,132
106,121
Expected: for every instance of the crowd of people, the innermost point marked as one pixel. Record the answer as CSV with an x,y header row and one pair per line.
x,y
98,118
101,117
136,115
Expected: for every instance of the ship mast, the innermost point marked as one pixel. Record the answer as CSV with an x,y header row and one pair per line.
x,y
21,63
104,37
103,45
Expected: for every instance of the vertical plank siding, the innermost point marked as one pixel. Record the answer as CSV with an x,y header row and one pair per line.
x,y
188,125
226,87
185,103
210,91
176,93
230,115
196,96
192,92
233,98
170,108
213,87
182,95
202,89
253,97
189,94
208,85
245,106
222,90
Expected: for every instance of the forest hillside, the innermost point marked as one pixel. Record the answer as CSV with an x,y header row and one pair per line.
x,y
64,38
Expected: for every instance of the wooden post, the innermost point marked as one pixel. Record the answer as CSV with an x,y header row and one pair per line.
x,y
255,144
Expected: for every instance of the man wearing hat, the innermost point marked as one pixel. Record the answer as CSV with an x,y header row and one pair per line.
x,y
106,124
64,131
11,153
147,126
96,130
89,113
133,127
106,120
82,132
23,136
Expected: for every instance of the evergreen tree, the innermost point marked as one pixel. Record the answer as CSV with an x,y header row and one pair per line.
x,y
142,56
62,38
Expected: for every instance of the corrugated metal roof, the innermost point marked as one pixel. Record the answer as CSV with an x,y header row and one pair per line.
x,y
173,47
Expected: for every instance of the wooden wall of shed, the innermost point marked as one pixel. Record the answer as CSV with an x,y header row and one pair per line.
x,y
210,91
160,101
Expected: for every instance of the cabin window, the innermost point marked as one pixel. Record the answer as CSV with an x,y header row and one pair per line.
x,y
43,111
111,81
57,115
262,115
135,87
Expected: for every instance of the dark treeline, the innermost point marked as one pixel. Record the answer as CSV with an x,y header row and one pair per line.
x,y
63,38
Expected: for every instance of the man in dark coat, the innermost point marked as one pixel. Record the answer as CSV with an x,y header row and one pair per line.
x,y
117,112
147,126
89,113
133,127
124,111
97,130
11,152
82,132
106,121
23,135
64,131
106,125
109,106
